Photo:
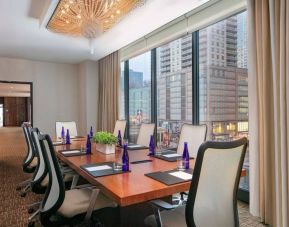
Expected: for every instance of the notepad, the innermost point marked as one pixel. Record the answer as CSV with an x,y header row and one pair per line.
x,y
182,175
98,168
134,146
171,155
71,152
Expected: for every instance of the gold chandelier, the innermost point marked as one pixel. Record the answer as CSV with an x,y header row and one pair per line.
x,y
89,18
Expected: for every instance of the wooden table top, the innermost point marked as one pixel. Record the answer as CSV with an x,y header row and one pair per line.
x,y
127,188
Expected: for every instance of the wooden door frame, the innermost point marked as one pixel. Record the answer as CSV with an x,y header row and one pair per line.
x,y
31,94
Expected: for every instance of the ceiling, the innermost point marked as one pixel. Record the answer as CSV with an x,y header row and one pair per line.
x,y
14,90
23,37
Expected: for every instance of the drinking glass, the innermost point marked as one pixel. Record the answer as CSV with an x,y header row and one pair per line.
x,y
180,164
158,150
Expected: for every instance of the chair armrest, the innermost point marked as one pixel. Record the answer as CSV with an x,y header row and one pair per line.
x,y
162,204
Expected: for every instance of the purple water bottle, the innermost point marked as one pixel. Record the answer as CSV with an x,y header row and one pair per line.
x,y
88,145
186,156
91,132
125,159
152,146
63,135
119,139
67,137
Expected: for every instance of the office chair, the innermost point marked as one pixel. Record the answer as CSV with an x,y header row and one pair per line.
x,y
40,179
145,132
119,125
65,207
212,199
194,135
71,125
30,161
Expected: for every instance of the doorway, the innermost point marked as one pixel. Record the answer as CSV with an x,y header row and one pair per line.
x,y
15,103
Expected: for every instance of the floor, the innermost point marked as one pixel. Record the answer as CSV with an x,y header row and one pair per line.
x,y
13,210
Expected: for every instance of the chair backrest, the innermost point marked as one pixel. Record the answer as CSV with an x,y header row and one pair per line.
x,y
119,125
55,192
212,197
41,170
146,130
71,125
30,149
194,135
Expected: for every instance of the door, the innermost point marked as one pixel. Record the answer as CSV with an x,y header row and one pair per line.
x,y
15,111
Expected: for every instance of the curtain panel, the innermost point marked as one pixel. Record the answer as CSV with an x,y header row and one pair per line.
x,y
109,71
268,29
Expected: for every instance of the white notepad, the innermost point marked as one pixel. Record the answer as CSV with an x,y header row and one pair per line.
x,y
171,155
71,152
182,175
57,143
134,145
98,168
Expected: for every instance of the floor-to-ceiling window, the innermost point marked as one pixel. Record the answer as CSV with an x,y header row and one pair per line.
x,y
200,78
223,80
139,93
174,89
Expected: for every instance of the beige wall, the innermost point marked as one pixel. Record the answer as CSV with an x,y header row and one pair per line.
x,y
56,90
88,87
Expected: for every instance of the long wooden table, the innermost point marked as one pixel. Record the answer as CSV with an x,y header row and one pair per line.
x,y
127,188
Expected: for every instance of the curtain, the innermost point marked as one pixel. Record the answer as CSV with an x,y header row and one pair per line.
x,y
109,71
268,29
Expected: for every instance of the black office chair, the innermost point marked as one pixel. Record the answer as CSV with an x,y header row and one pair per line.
x,y
30,161
40,179
70,207
212,199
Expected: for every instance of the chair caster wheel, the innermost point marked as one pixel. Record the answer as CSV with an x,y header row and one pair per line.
x,y
22,194
18,188
30,210
31,224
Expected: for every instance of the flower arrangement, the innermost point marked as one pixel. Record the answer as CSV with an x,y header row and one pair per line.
x,y
104,138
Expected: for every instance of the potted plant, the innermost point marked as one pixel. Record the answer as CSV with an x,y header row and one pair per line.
x,y
105,142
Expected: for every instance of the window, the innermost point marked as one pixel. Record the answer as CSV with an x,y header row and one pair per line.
x,y
139,93
224,100
174,89
215,92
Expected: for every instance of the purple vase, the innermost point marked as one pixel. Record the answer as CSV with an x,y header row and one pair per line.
x,y
186,156
125,159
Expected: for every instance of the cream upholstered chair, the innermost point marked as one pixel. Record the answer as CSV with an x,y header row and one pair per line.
x,y
194,135
212,199
146,130
66,205
119,125
71,125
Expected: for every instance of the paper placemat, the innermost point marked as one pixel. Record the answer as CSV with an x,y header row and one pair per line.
x,y
101,169
172,176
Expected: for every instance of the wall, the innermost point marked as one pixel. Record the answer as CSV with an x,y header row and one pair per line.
x,y
55,90
88,87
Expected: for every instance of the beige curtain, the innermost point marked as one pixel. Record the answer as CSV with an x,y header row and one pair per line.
x,y
109,71
269,117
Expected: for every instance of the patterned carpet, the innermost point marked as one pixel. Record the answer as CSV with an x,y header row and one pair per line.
x,y
13,208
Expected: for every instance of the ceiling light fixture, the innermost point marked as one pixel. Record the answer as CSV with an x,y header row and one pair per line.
x,y
89,18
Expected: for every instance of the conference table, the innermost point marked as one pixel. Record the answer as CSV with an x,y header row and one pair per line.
x,y
130,188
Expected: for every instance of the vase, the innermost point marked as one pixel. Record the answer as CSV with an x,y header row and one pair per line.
x,y
105,148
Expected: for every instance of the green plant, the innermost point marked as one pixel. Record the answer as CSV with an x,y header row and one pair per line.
x,y
104,138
